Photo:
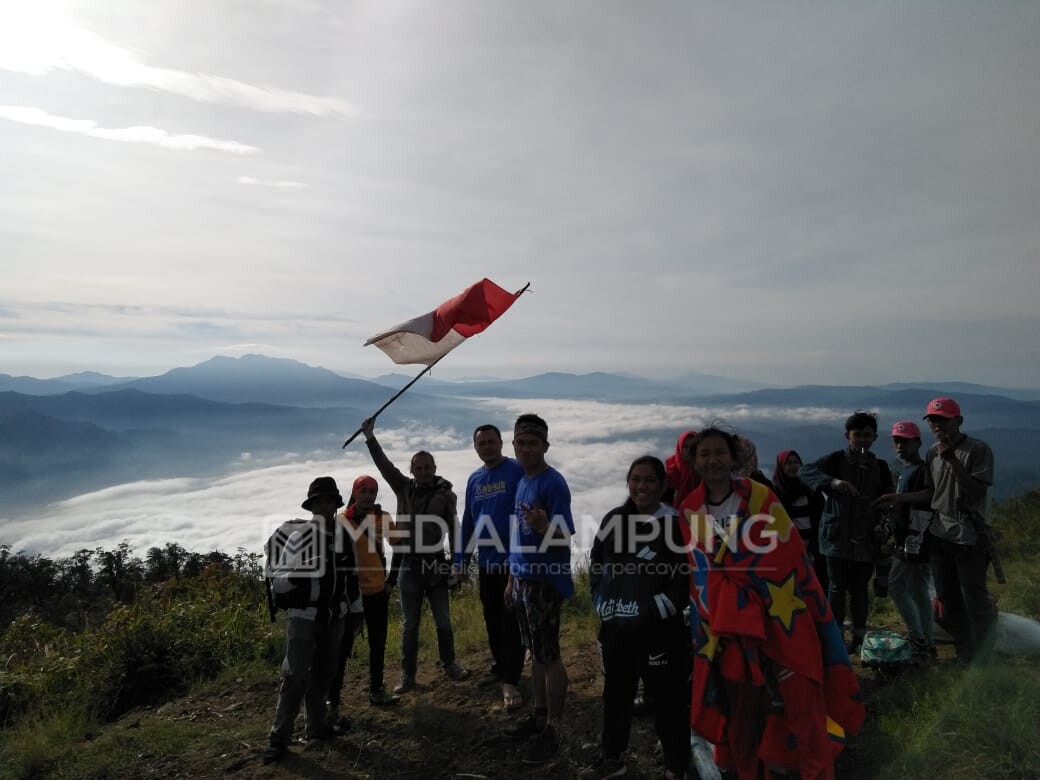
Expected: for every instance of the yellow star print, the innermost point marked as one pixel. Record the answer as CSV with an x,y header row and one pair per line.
x,y
784,604
709,648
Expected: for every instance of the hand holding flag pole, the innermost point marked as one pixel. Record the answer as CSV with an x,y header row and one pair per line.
x,y
428,338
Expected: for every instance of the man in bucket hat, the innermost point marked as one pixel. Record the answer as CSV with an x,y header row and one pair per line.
x,y
312,570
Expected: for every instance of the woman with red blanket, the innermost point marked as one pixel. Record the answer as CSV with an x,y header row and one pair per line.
x,y
772,684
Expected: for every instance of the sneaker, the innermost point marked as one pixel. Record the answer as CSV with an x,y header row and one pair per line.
x,y
525,726
275,752
604,768
542,748
406,684
455,672
381,698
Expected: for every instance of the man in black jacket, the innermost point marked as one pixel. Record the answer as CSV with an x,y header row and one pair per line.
x,y
851,479
426,516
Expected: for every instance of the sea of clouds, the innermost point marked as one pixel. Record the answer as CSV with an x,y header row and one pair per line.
x,y
592,445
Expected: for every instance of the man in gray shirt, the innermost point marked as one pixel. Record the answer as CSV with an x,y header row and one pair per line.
x,y
959,473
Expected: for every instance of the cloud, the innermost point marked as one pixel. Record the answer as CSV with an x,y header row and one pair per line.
x,y
283,184
592,446
38,38
137,135
64,318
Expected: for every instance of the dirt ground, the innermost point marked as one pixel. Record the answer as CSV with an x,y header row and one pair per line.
x,y
440,730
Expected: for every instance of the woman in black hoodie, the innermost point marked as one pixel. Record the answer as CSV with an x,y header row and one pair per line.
x,y
640,581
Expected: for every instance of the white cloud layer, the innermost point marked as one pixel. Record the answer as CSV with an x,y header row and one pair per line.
x,y
241,509
153,136
38,37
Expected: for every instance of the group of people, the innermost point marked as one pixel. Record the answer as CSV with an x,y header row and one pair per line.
x,y
760,667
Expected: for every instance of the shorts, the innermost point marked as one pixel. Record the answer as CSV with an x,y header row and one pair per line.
x,y
537,606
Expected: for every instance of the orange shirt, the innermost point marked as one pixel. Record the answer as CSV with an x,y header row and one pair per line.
x,y
368,534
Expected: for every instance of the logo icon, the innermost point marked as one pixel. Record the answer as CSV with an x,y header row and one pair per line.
x,y
296,549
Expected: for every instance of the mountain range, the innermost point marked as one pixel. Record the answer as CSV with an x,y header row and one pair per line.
x,y
71,434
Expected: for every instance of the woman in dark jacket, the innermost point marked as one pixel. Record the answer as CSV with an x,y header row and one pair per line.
x,y
640,581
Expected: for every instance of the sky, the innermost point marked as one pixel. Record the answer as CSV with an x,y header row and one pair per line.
x,y
592,444
807,192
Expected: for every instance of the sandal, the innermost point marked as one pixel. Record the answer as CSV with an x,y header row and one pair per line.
x,y
512,698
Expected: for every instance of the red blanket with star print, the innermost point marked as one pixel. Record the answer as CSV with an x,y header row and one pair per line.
x,y
757,608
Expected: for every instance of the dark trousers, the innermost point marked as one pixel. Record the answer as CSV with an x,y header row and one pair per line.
x,y
853,578
377,608
959,572
660,653
418,582
503,632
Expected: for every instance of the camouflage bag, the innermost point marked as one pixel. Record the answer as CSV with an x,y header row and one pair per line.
x,y
885,651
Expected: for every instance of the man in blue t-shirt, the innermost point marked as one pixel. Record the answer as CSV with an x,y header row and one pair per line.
x,y
540,567
490,493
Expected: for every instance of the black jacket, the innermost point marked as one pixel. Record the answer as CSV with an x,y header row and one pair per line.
x,y
639,572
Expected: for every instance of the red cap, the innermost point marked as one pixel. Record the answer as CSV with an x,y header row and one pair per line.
x,y
363,481
942,407
904,429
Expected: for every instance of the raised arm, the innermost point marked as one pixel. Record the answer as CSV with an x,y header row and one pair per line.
x,y
393,476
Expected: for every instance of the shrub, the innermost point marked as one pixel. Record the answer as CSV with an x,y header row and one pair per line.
x,y
172,635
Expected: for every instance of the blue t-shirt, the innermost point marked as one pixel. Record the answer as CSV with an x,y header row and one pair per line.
x,y
532,556
485,519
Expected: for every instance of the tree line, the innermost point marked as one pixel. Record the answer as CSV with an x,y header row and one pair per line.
x,y
73,591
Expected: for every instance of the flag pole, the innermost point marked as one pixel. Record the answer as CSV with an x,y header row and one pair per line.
x,y
418,376
395,396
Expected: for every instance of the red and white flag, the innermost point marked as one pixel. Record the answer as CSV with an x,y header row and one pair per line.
x,y
428,338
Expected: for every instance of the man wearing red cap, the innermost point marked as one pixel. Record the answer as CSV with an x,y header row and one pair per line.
x,y
959,471
910,579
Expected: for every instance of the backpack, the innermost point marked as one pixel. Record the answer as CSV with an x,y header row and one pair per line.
x,y
294,549
885,651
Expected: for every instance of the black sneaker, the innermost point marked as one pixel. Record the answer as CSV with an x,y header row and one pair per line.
x,y
406,684
525,726
275,752
455,672
542,748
